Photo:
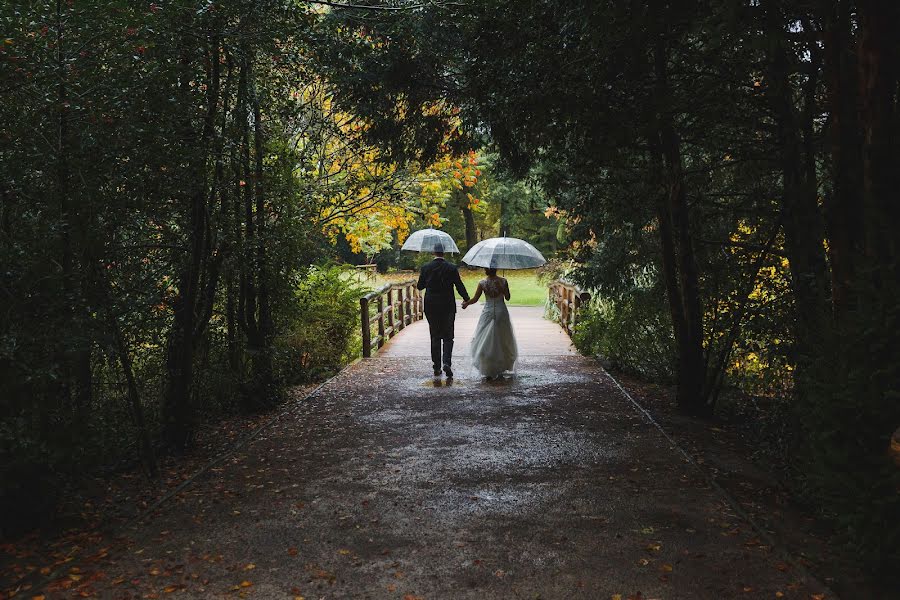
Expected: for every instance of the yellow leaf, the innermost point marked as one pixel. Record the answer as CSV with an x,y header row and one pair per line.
x,y
249,567
246,584
616,597
343,552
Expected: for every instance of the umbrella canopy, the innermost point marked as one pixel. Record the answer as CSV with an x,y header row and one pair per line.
x,y
504,253
430,240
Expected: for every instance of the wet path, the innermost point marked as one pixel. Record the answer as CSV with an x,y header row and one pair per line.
x,y
383,485
535,335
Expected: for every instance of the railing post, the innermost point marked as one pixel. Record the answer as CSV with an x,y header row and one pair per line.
x,y
366,327
380,307
419,309
570,294
390,311
402,302
576,304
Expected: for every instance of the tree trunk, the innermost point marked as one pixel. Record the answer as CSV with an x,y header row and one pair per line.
x,y
471,229
878,75
843,217
189,307
506,217
679,262
263,357
802,222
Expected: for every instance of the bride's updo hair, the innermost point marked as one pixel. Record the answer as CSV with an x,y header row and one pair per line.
x,y
490,271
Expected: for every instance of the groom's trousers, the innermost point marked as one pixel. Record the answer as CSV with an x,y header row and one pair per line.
x,y
440,327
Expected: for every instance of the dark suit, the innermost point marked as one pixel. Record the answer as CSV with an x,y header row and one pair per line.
x,y
438,278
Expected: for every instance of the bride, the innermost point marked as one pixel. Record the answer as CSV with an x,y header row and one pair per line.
x,y
493,347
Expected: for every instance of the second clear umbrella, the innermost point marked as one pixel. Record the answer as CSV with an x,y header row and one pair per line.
x,y
504,253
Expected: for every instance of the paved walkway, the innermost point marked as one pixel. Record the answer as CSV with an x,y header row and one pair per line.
x,y
535,335
383,485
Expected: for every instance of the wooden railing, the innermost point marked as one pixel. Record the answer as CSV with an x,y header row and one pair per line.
x,y
396,305
568,299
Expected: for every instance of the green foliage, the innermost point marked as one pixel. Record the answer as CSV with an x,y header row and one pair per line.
x,y
320,333
632,332
848,413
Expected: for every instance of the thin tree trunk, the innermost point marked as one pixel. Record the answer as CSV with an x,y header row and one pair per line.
x,y
803,223
717,374
842,204
691,365
264,374
878,76
180,412
469,217
134,397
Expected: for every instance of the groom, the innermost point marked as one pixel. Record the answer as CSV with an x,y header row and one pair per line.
x,y
438,278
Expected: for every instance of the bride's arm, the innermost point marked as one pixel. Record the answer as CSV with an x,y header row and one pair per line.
x,y
474,298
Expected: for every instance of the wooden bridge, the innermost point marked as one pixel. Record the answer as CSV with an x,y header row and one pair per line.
x,y
389,310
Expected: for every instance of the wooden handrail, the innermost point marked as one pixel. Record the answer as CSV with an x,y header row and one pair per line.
x,y
569,299
396,306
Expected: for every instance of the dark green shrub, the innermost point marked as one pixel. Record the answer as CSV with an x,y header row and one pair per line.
x,y
633,332
320,332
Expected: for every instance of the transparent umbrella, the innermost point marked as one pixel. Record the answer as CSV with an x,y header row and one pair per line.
x,y
430,240
504,253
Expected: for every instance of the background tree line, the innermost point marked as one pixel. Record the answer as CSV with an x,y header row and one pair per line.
x,y
728,173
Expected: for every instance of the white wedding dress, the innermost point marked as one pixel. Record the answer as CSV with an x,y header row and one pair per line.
x,y
493,348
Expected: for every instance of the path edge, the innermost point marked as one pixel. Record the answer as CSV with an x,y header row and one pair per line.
x,y
733,502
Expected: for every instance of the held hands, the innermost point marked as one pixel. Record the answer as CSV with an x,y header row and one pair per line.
x,y
466,303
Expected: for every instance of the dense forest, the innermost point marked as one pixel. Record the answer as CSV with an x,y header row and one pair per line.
x,y
176,177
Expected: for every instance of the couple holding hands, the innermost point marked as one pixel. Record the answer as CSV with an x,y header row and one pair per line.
x,y
493,348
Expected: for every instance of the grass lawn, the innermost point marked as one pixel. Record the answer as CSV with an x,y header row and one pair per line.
x,y
524,287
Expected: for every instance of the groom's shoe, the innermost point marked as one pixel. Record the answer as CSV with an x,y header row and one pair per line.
x,y
448,372
437,372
